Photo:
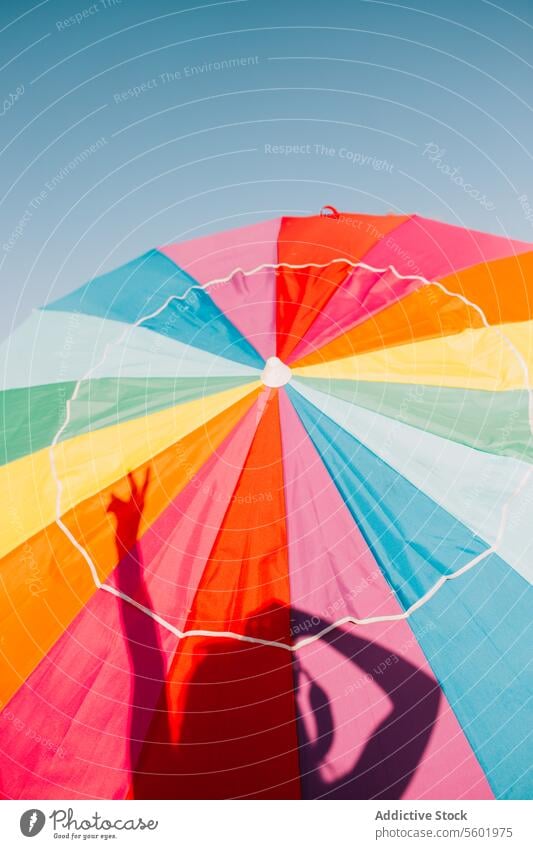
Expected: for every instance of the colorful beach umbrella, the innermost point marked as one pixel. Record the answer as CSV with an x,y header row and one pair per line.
x,y
268,504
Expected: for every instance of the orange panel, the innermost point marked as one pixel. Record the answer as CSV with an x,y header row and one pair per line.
x,y
423,314
46,581
302,294
502,288
225,725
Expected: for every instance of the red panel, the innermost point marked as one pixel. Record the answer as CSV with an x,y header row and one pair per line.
x,y
302,294
225,725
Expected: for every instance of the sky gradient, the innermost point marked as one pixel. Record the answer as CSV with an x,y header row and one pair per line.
x,y
127,125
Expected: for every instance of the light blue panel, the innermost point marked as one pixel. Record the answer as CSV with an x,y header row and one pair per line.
x,y
477,634
51,347
473,485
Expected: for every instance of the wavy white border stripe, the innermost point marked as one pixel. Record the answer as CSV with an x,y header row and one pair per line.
x,y
346,619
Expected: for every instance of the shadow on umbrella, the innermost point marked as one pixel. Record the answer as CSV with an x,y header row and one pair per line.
x,y
227,740
233,727
394,749
148,666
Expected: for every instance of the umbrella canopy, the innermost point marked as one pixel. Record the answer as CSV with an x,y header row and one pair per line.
x,y
267,520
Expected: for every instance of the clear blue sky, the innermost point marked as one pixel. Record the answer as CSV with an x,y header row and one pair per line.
x,y
129,124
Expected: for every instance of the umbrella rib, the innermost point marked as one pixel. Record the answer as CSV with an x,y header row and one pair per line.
x,y
346,619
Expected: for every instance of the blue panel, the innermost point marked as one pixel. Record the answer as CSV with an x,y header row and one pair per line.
x,y
477,634
142,286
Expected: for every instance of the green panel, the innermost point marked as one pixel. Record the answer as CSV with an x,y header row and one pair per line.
x,y
496,422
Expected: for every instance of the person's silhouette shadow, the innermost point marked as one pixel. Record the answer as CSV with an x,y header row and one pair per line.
x,y
234,729
148,666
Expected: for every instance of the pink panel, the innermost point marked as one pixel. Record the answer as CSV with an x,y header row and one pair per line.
x,y
373,722
247,300
433,250
363,692
80,698
419,247
332,571
82,704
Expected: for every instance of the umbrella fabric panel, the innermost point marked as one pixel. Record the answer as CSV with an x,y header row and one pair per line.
x,y
495,422
31,417
333,573
176,548
353,744
486,492
419,541
68,751
419,249
225,726
38,600
93,695
247,568
154,291
374,723
249,302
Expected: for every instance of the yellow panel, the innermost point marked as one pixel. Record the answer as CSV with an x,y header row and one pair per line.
x,y
46,580
88,463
